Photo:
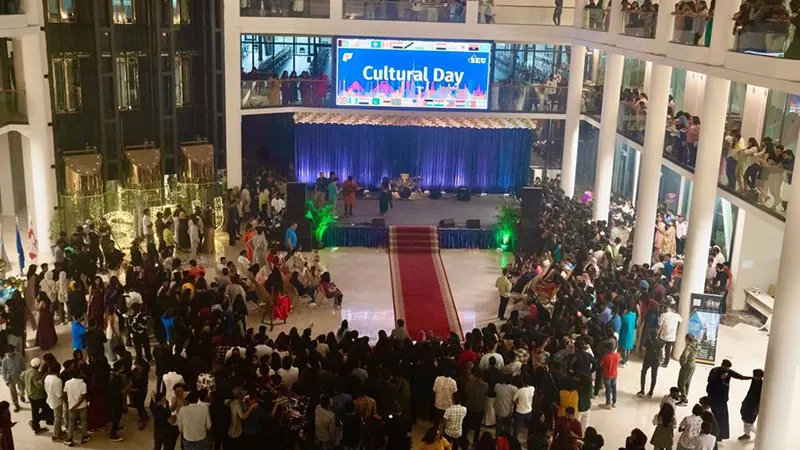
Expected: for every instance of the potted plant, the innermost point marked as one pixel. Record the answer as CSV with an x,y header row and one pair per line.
x,y
321,219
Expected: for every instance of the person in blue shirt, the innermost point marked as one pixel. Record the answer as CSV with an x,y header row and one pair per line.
x,y
169,323
616,320
78,333
291,237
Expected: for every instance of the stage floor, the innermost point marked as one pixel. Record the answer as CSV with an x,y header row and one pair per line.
x,y
426,211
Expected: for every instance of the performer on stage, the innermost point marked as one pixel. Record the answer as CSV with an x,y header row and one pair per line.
x,y
349,189
386,195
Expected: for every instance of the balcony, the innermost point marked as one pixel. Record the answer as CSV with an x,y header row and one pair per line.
x,y
10,7
438,11
525,15
315,9
592,102
641,24
596,19
12,108
513,96
690,29
271,92
770,38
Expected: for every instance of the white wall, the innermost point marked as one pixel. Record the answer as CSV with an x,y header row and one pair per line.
x,y
693,94
755,103
759,258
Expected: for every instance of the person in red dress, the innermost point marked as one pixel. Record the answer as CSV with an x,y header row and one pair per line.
x,y
6,437
46,337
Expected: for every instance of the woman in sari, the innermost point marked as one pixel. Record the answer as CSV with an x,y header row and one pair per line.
x,y
249,234
46,337
31,294
97,300
669,245
658,240
386,196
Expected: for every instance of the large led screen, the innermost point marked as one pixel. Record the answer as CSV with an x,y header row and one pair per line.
x,y
401,73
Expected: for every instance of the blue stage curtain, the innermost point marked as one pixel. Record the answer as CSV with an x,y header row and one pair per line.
x,y
356,237
466,238
485,160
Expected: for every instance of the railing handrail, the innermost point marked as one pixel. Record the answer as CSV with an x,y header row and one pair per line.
x,y
628,11
529,6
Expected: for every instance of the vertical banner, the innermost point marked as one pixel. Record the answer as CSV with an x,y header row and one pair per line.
x,y
704,325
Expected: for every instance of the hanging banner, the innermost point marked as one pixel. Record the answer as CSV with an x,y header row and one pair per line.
x,y
704,325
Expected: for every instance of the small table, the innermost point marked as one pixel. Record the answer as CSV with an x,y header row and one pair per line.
x,y
761,302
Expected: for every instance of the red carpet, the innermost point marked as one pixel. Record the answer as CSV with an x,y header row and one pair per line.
x,y
420,289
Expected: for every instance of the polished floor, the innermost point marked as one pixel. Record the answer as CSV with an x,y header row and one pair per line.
x,y
363,275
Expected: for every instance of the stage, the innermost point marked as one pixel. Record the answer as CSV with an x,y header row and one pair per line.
x,y
357,231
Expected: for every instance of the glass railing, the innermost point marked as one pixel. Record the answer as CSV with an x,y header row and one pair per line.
x,y
592,102
689,29
511,96
639,24
401,10
772,38
761,180
10,7
12,107
268,93
526,15
631,123
596,19
319,9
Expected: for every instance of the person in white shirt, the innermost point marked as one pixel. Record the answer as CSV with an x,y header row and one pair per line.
x,y
484,362
454,422
75,390
443,389
194,421
523,399
503,285
54,388
690,428
706,440
716,253
681,228
668,323
170,379
278,205
147,226
288,373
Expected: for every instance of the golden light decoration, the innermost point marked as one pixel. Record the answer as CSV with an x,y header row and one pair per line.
x,y
9,285
121,223
416,120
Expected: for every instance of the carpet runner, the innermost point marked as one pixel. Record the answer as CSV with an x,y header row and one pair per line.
x,y
422,296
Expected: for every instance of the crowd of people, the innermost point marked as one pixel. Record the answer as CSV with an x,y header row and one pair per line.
x,y
693,22
640,20
598,15
290,89
516,95
765,26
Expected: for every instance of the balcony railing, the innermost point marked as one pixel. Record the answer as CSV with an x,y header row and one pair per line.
x,y
512,96
402,10
274,92
592,102
12,107
10,7
596,19
689,29
525,15
640,24
631,123
318,9
770,38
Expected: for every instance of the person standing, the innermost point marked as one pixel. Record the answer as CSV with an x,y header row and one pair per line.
x,y
291,237
33,379
76,396
6,437
523,400
138,329
476,391
116,395
687,362
503,285
681,228
165,433
453,422
194,421
689,428
325,424
54,388
147,227
557,12
652,357
320,190
233,223
751,404
349,189
668,323
333,191
718,389
12,368
504,404
444,386
627,333
385,200
610,363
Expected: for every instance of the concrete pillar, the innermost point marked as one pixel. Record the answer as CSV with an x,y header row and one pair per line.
x,y
608,136
7,203
650,174
753,112
664,28
615,23
572,126
704,194
37,145
233,94
721,36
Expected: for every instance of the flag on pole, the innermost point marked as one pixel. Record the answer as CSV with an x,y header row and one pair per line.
x,y
20,250
33,243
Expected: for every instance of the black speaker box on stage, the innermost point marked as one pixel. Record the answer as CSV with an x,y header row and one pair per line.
x,y
532,205
379,222
463,194
473,223
295,200
529,238
447,223
435,194
304,236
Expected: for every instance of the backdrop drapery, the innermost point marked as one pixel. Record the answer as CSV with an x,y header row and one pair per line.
x,y
485,160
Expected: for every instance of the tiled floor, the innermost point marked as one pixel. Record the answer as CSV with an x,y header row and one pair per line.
x,y
363,275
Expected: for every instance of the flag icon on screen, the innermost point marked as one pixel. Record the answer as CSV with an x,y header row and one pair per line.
x,y
473,47
375,44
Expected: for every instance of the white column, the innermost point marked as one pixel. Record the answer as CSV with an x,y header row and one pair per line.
x,y
664,28
608,136
471,12
577,15
721,36
572,126
704,194
648,74
755,107
38,152
7,203
650,175
233,94
615,22
780,379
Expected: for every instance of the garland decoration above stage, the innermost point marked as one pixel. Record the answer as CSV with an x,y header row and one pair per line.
x,y
478,122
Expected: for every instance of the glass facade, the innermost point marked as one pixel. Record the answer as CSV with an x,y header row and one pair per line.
x,y
530,78
623,182
782,119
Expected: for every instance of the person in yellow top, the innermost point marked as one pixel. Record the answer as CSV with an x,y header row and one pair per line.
x,y
433,440
568,397
169,242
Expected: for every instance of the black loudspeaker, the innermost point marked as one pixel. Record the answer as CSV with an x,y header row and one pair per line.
x,y
529,238
447,223
532,206
379,222
295,200
435,194
304,238
473,223
463,194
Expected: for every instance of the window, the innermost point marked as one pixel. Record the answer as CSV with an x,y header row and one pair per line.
x,y
127,82
782,119
66,84
180,12
61,11
123,11
183,80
